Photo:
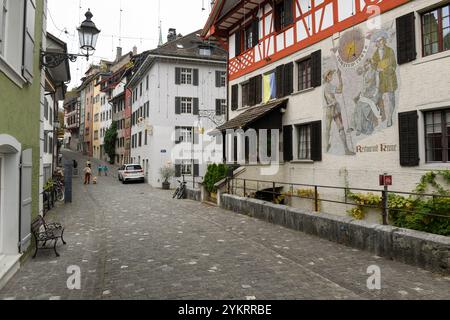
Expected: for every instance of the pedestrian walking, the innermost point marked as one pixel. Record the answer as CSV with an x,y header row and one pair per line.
x,y
87,174
105,170
100,168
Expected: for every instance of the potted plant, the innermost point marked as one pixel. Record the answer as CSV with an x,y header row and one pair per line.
x,y
166,173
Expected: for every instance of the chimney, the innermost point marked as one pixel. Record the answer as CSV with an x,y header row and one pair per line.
x,y
172,35
135,51
119,53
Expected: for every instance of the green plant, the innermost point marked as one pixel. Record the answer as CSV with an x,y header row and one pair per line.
x,y
167,173
421,213
214,174
49,185
363,202
110,141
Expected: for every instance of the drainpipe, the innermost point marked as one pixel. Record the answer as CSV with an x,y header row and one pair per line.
x,y
20,206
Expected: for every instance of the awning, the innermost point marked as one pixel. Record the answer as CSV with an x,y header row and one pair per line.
x,y
252,115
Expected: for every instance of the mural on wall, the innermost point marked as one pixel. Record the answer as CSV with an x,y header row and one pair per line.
x,y
360,83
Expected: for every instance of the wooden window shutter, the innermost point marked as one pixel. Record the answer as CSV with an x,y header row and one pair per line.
x,y
409,139
279,74
289,11
196,135
196,169
218,79
177,171
406,38
177,105
316,141
277,19
288,78
234,97
238,42
218,107
255,30
195,106
28,41
258,89
177,75
177,135
195,77
316,68
287,144
252,91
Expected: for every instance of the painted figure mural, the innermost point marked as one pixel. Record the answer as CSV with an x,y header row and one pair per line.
x,y
360,88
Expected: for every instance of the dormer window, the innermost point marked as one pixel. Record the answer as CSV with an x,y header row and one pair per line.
x,y
205,51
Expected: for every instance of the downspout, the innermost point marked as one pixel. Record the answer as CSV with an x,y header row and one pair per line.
x,y
20,206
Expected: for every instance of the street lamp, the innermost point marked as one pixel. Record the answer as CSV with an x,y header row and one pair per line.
x,y
88,35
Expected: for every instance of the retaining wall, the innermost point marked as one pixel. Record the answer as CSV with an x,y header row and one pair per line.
x,y
428,251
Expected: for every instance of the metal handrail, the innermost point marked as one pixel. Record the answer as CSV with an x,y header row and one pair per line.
x,y
233,187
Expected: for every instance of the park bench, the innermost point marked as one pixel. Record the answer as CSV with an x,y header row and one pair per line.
x,y
44,233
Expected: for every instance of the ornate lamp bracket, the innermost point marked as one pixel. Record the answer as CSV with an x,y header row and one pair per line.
x,y
54,59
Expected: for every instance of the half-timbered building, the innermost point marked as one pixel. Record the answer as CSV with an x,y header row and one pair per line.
x,y
356,88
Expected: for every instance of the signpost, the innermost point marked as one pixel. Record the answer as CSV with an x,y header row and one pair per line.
x,y
385,181
68,174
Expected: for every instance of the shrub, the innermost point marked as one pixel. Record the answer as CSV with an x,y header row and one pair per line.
x,y
214,174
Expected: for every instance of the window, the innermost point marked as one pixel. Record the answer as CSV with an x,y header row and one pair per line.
x,y
186,105
17,39
437,131
140,89
248,37
284,14
186,76
304,142
436,30
304,74
186,167
223,78
186,134
205,51
140,139
96,135
146,137
221,107
146,83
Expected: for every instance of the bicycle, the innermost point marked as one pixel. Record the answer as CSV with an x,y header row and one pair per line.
x,y
181,189
59,190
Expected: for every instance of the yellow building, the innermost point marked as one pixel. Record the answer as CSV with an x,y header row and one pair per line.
x,y
96,119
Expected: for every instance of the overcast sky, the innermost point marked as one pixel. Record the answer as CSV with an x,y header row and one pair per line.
x,y
139,24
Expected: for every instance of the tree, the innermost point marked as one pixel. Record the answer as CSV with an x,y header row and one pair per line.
x,y
110,141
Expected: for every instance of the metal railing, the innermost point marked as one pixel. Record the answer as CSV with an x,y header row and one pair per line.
x,y
194,180
271,191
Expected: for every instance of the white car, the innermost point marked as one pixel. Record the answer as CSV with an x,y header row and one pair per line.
x,y
131,172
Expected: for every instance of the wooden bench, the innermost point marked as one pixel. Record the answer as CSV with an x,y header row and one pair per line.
x,y
43,233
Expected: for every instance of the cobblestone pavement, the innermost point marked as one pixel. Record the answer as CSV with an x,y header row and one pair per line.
x,y
135,242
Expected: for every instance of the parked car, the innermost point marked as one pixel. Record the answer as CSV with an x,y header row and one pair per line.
x,y
131,172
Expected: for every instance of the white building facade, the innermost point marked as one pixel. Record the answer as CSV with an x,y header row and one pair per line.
x,y
178,97
352,93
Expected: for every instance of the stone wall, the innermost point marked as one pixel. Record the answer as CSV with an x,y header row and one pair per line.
x,y
192,194
428,251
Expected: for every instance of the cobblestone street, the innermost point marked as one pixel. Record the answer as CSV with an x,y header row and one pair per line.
x,y
135,242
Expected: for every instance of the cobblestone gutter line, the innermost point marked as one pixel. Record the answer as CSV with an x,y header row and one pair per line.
x,y
428,251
